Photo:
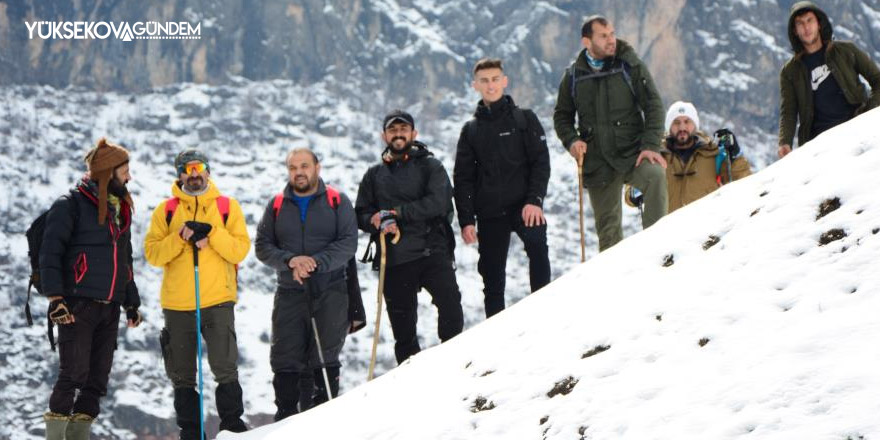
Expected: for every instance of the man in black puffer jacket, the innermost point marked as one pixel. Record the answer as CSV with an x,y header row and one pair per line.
x,y
501,171
86,272
410,191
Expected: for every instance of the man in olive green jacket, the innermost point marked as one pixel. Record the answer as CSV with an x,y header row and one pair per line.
x,y
820,86
618,130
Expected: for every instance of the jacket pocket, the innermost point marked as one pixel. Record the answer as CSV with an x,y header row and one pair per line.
x,y
165,344
80,267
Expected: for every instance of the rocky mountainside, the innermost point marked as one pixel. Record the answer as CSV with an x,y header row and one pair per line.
x,y
723,55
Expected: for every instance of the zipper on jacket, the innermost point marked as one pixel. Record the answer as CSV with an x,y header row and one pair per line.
x,y
114,236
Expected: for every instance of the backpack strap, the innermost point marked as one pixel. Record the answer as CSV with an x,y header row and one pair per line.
x,y
172,203
223,207
333,197
276,203
170,207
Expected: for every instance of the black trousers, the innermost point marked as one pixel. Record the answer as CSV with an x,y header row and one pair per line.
x,y
293,354
494,241
403,282
85,350
293,348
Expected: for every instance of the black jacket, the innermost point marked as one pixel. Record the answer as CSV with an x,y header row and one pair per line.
x,y
329,235
80,258
418,188
504,167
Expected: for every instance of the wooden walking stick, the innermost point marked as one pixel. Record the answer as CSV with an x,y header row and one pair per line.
x,y
581,203
381,292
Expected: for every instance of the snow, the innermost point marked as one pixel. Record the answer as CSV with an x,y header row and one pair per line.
x,y
751,34
765,335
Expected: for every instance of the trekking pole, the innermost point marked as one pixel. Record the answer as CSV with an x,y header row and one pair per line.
x,y
199,343
308,286
381,291
580,162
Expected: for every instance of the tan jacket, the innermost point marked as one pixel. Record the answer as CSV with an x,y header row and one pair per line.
x,y
689,181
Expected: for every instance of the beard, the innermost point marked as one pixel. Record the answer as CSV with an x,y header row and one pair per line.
x,y
393,144
682,139
303,184
117,188
195,184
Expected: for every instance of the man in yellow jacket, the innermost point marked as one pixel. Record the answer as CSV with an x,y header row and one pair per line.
x,y
198,215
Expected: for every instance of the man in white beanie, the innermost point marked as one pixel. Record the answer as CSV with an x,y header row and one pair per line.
x,y
697,165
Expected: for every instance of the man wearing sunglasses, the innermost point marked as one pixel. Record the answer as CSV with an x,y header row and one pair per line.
x,y
199,217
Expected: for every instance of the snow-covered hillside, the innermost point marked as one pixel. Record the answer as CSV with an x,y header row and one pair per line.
x,y
751,314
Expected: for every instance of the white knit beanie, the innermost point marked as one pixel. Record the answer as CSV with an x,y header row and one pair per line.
x,y
681,108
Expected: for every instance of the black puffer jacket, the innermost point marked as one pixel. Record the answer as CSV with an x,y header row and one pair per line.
x,y
504,167
418,188
80,258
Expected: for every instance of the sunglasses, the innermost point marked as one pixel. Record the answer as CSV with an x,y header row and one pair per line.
x,y
198,167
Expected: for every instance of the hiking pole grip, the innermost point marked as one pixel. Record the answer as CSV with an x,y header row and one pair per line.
x,y
580,163
381,289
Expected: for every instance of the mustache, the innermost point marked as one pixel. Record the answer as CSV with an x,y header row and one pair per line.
x,y
398,138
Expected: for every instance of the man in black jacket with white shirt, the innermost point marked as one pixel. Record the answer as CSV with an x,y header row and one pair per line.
x,y
502,167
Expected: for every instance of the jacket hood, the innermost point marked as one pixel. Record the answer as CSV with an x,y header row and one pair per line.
x,y
704,144
417,150
204,199
495,109
826,31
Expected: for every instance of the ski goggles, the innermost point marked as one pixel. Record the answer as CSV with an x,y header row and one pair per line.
x,y
198,167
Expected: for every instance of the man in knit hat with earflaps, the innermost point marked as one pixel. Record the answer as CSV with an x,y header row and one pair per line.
x,y
86,272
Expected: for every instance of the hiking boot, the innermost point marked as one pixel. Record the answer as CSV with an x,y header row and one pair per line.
x,y
230,407
286,394
56,424
80,427
321,388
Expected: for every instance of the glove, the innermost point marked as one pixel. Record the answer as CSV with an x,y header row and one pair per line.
x,y
200,230
633,197
727,140
134,317
59,313
386,219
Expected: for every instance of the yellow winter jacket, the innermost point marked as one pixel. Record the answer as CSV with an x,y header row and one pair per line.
x,y
227,246
687,182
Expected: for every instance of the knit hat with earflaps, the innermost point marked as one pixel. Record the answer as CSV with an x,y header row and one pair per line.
x,y
102,160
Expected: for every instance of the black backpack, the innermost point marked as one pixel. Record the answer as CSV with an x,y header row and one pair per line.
x,y
35,242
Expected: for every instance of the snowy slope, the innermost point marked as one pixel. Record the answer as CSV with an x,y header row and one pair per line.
x,y
247,129
728,319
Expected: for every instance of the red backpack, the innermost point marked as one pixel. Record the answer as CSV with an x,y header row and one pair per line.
x,y
332,199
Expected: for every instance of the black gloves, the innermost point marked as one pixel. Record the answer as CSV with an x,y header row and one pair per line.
x,y
200,230
134,317
59,313
726,139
